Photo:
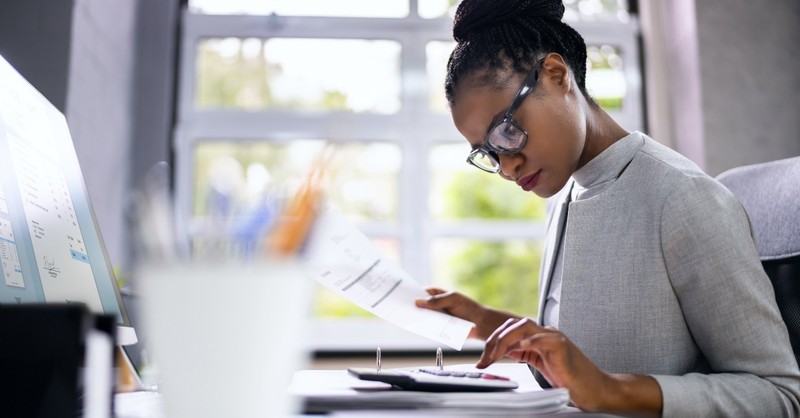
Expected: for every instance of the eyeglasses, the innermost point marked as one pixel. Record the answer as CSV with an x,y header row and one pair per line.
x,y
505,137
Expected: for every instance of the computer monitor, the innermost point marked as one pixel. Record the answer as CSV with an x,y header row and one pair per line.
x,y
51,249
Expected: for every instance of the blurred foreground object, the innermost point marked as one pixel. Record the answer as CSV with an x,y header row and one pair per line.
x,y
56,360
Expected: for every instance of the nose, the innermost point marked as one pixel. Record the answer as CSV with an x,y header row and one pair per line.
x,y
509,165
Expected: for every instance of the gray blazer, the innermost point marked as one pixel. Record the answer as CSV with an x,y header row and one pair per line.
x,y
661,277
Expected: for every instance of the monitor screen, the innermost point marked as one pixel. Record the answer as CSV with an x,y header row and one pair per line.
x,y
51,249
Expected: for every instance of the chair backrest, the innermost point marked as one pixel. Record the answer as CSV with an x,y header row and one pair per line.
x,y
770,193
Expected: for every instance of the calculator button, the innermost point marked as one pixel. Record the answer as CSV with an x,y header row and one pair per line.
x,y
435,372
493,377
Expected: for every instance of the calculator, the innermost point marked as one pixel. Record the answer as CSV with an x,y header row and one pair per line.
x,y
437,380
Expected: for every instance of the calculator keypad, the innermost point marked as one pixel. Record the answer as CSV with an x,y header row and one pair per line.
x,y
437,380
455,373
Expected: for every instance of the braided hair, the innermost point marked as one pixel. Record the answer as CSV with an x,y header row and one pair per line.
x,y
497,35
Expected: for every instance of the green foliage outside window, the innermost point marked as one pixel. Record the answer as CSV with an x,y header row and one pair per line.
x,y
240,79
235,80
472,194
502,274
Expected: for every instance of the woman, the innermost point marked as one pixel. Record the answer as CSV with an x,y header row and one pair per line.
x,y
653,300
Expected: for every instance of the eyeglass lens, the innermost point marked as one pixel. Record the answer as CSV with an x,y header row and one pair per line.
x,y
484,161
507,137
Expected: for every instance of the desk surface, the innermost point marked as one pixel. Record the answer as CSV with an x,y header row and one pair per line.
x,y
150,404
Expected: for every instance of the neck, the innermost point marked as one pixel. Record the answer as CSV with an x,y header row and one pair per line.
x,y
601,131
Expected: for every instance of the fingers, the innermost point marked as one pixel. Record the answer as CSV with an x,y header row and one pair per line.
x,y
548,341
490,350
507,338
435,291
550,351
438,299
423,302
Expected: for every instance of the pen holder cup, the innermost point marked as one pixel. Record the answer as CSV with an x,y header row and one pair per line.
x,y
226,337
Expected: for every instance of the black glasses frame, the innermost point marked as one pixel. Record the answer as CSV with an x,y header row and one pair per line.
x,y
487,149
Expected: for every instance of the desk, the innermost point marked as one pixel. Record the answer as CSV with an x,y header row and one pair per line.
x,y
309,382
568,412
148,405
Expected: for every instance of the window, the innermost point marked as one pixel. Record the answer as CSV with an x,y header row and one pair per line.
x,y
354,75
265,85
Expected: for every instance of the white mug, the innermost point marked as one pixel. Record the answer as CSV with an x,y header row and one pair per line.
x,y
226,337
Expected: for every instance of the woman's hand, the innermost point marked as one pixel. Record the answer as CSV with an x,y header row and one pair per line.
x,y
564,365
456,304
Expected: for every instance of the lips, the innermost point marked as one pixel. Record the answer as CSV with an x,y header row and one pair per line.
x,y
529,182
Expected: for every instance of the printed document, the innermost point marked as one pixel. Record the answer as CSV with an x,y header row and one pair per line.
x,y
343,259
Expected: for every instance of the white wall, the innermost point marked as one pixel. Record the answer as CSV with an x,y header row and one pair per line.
x,y
749,64
98,109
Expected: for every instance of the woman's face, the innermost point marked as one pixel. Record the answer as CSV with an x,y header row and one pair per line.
x,y
552,116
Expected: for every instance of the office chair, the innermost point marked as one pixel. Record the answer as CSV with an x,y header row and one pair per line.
x,y
770,193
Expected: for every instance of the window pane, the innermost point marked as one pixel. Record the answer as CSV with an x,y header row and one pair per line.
x,y
605,78
287,73
328,8
432,9
504,275
330,305
587,10
461,191
364,181
232,178
596,10
437,55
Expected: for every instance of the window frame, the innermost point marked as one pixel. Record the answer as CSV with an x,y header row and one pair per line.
x,y
415,128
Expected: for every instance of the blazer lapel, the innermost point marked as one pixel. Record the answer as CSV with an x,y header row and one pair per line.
x,y
555,229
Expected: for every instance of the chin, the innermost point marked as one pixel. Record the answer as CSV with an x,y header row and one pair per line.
x,y
545,190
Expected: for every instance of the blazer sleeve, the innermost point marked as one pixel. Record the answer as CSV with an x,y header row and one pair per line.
x,y
729,306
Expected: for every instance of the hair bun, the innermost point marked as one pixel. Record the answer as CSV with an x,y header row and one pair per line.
x,y
476,15
546,9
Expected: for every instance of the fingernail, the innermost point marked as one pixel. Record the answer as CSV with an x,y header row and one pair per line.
x,y
481,361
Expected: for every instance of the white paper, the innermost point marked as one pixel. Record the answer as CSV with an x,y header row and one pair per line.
x,y
343,259
336,391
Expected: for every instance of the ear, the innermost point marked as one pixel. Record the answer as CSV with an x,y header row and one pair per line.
x,y
555,72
